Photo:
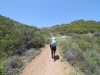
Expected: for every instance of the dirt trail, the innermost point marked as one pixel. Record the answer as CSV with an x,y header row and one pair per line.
x,y
43,64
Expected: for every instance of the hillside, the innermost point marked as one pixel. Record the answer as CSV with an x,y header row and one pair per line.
x,y
14,35
79,26
17,38
82,52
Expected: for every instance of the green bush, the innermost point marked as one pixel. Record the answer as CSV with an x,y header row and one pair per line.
x,y
83,53
83,45
2,67
92,60
38,40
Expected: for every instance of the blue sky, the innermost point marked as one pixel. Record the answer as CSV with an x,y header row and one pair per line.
x,y
47,13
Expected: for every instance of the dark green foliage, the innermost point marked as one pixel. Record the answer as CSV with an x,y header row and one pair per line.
x,y
16,38
38,40
2,67
78,26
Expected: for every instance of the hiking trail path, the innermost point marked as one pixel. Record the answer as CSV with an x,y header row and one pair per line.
x,y
43,64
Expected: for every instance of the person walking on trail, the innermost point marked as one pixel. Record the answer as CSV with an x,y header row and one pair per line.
x,y
53,44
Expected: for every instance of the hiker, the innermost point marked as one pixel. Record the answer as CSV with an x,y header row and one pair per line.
x,y
53,44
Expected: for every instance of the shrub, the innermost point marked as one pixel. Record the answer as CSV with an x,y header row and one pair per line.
x,y
30,52
2,67
13,65
70,55
76,36
38,40
96,34
83,45
70,50
82,53
47,39
12,71
92,60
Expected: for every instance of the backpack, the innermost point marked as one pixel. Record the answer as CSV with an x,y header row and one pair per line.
x,y
53,43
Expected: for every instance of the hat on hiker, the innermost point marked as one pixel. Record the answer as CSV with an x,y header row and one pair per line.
x,y
54,38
